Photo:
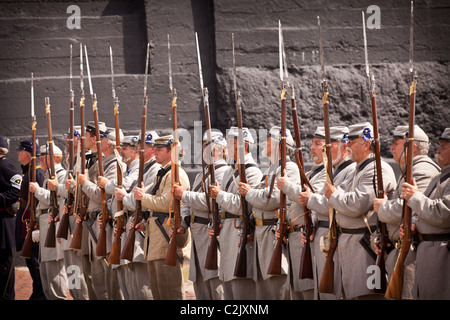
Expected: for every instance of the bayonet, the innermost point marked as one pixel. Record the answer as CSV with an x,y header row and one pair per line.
x,y
91,91
146,70
411,42
33,115
112,77
322,63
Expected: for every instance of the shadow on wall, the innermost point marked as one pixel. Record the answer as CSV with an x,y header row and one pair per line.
x,y
135,35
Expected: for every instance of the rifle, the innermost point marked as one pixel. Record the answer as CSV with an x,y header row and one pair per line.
x,y
240,269
171,255
75,243
100,249
381,226
114,256
28,242
395,287
211,258
326,284
306,268
50,240
63,230
275,261
128,248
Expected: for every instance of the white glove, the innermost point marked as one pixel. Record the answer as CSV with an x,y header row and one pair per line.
x,y
35,236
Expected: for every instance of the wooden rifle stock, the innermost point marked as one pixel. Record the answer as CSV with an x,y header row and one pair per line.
x,y
81,200
171,255
81,208
275,261
306,268
128,248
395,287
114,256
100,249
28,242
50,241
63,230
380,262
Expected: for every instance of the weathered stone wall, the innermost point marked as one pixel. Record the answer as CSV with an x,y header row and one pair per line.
x,y
35,38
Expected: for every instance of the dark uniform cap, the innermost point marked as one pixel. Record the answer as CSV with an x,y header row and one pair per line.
x,y
3,142
27,145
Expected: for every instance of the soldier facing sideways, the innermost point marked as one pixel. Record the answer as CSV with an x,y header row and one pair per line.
x,y
353,202
51,263
390,211
197,216
229,201
166,282
10,181
431,218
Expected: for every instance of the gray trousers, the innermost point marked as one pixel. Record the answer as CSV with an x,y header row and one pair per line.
x,y
166,282
54,279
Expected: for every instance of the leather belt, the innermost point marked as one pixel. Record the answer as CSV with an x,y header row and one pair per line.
x,y
357,231
436,237
201,220
266,222
227,215
322,224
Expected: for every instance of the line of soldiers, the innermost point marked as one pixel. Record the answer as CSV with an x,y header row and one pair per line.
x,y
352,195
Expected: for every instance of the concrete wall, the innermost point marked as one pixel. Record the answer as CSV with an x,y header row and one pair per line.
x,y
35,38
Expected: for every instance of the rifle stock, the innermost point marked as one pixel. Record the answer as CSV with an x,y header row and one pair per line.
x,y
63,230
275,261
28,242
171,255
81,208
50,241
326,284
306,268
128,248
395,287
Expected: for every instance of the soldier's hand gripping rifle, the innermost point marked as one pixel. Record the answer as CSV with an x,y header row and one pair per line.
x,y
80,196
171,255
275,262
28,242
383,234
395,287
100,249
326,284
114,256
211,262
63,230
128,248
50,240
240,269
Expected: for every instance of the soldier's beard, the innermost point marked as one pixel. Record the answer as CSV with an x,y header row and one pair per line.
x,y
438,157
338,157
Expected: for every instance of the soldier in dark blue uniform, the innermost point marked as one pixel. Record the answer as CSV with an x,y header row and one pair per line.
x,y
10,180
24,153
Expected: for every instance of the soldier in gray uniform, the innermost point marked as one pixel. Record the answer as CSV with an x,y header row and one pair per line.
x,y
390,211
431,216
353,202
83,258
78,287
265,207
318,204
195,214
100,269
229,201
136,271
52,269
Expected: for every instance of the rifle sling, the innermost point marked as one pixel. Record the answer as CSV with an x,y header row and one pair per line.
x,y
441,180
236,173
207,175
